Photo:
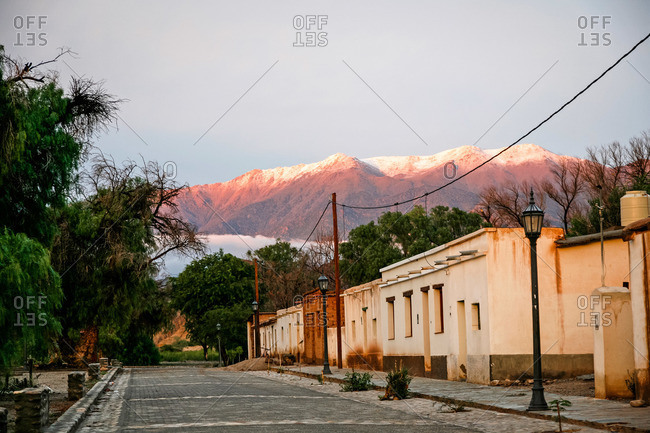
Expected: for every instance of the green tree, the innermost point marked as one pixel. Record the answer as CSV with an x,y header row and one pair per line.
x,y
108,250
44,136
44,133
233,327
283,273
217,288
396,236
367,250
30,292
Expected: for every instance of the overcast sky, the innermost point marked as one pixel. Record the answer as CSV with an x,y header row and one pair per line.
x,y
447,70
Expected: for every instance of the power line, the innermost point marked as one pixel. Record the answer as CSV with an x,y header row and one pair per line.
x,y
510,145
317,223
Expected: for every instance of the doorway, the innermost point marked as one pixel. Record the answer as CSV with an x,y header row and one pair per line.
x,y
426,331
462,341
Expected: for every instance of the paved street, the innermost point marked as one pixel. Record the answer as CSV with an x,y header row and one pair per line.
x,y
205,400
196,400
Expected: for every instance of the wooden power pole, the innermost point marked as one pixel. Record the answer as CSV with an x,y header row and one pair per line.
x,y
337,281
257,349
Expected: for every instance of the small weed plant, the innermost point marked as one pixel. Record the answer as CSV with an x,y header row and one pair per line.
x,y
397,386
559,405
354,381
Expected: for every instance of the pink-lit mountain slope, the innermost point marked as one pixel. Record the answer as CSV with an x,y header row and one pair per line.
x,y
286,201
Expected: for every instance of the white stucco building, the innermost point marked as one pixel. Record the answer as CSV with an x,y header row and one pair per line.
x,y
463,310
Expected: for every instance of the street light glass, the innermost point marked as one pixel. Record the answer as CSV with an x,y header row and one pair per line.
x,y
218,326
322,283
255,306
532,218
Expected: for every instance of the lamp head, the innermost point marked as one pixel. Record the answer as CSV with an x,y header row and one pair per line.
x,y
322,283
532,218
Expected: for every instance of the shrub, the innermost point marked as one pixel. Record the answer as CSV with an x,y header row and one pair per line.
x,y
191,355
288,358
397,384
354,381
140,350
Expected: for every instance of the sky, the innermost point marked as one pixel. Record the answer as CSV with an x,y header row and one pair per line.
x,y
214,89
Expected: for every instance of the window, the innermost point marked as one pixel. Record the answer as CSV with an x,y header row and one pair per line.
x,y
354,330
374,328
476,317
438,308
408,314
391,317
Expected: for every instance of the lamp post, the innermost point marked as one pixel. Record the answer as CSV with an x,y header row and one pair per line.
x,y
322,284
532,219
219,339
256,312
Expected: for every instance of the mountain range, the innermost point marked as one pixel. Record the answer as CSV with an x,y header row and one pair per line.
x,y
286,202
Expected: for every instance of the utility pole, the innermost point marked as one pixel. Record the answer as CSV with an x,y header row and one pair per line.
x,y
337,281
257,314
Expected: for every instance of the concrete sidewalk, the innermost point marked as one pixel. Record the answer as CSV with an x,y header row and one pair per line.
x,y
604,414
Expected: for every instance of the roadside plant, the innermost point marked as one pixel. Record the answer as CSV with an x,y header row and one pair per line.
x,y
354,381
559,405
457,407
397,384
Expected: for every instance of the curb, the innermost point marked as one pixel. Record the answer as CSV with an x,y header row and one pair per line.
x,y
70,420
607,427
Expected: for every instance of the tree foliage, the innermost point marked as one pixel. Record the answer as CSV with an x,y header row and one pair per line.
x,y
44,137
30,293
396,236
109,248
217,288
284,273
44,133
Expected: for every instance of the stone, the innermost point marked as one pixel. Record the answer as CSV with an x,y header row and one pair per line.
x,y
32,409
637,403
507,382
103,362
4,419
93,370
442,407
585,377
76,385
529,381
494,382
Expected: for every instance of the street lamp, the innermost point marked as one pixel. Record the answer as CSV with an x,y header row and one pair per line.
x,y
532,219
256,312
322,284
219,339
